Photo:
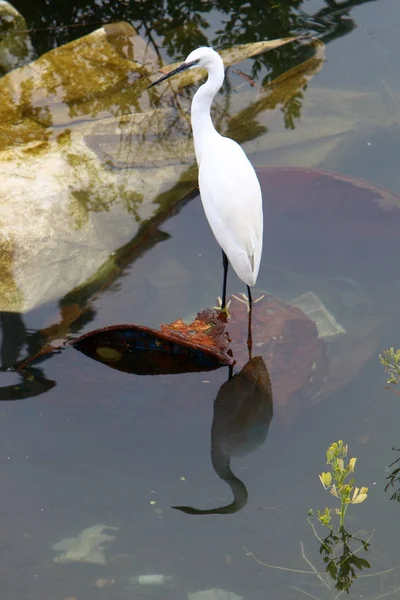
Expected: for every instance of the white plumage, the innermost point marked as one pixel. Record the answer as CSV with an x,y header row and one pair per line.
x,y
232,202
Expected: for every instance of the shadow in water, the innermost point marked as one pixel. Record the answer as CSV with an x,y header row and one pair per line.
x,y
242,414
30,382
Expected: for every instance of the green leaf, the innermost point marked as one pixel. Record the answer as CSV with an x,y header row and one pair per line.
x,y
332,569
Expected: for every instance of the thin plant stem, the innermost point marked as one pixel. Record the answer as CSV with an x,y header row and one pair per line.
x,y
312,566
380,572
278,567
392,390
293,587
314,530
386,594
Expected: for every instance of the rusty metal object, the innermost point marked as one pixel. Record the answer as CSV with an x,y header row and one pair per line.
x,y
285,338
174,348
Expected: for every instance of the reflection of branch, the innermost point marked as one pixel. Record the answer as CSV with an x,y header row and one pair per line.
x,y
334,9
329,22
180,27
278,93
394,477
152,41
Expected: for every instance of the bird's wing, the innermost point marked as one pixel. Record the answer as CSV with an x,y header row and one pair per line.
x,y
231,197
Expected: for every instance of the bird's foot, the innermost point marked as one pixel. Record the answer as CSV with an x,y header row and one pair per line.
x,y
244,299
224,310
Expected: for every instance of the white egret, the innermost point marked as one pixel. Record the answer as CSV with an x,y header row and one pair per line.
x,y
229,187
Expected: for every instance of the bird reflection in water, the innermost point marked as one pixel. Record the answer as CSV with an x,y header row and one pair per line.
x,y
242,414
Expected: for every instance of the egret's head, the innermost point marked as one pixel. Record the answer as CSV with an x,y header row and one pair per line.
x,y
201,57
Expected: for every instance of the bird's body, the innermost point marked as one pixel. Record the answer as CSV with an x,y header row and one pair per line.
x,y
237,220
229,187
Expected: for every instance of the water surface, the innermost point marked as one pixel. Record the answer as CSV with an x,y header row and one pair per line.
x,y
107,447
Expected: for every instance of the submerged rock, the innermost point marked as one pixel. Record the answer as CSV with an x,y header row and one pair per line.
x,y
87,546
214,594
288,342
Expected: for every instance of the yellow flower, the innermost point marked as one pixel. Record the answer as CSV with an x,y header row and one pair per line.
x,y
360,498
334,491
359,495
326,479
352,464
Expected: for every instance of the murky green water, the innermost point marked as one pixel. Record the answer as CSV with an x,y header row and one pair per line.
x,y
105,447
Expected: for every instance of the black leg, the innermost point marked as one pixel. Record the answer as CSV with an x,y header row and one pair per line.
x,y
249,296
249,336
225,265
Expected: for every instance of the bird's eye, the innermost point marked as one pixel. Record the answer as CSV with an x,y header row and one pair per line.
x,y
192,63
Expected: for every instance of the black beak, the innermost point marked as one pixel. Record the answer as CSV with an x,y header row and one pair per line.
x,y
179,69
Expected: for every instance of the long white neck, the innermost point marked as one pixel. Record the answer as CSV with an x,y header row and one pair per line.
x,y
202,125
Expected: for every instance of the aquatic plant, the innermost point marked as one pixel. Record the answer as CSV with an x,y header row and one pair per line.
x,y
340,550
393,479
335,482
325,588
390,359
341,561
